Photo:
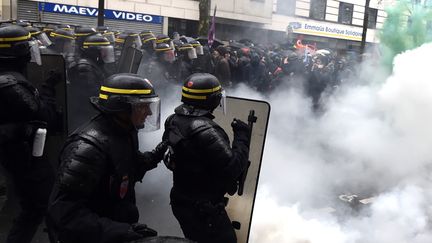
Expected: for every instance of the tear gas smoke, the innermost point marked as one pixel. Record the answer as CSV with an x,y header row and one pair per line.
x,y
372,140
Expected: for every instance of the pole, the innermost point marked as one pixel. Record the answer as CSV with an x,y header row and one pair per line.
x,y
101,11
365,27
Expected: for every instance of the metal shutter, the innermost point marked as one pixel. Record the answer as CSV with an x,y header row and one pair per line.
x,y
27,10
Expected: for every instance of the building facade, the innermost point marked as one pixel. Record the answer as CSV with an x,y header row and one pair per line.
x,y
331,23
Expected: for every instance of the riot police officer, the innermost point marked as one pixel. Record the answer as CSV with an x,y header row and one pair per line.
x,y
204,165
63,43
85,77
93,199
160,68
25,112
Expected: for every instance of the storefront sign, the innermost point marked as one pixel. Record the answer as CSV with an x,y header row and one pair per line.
x,y
332,31
93,12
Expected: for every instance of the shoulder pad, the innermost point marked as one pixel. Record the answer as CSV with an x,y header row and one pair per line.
x,y
7,80
200,124
93,132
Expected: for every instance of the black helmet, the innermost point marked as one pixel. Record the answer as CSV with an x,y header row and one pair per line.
x,y
165,51
39,35
121,92
98,48
64,41
163,39
148,39
65,27
81,33
198,47
202,90
15,42
188,50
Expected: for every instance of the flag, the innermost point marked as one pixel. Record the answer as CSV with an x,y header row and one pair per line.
x,y
212,29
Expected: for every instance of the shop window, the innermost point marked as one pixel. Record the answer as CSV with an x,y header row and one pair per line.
x,y
286,7
317,9
372,19
345,13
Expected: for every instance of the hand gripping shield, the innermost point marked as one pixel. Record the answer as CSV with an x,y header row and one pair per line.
x,y
256,114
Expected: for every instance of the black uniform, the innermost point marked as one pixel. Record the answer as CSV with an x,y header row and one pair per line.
x,y
205,167
24,109
93,199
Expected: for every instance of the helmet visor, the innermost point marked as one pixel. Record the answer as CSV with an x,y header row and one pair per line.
x,y
107,54
137,42
35,52
199,50
169,56
192,54
146,113
110,37
43,38
222,103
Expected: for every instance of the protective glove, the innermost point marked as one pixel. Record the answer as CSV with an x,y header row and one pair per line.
x,y
143,230
149,160
241,131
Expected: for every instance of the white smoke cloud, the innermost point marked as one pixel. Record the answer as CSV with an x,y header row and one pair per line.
x,y
373,139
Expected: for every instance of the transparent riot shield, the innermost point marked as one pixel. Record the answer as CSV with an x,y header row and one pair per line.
x,y
130,57
53,65
256,113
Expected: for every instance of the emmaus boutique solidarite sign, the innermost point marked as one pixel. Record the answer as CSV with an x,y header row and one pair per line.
x,y
326,30
93,12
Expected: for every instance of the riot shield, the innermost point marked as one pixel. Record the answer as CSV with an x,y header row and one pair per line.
x,y
130,57
256,113
37,75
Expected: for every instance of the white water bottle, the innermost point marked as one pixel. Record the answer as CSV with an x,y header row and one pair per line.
x,y
39,142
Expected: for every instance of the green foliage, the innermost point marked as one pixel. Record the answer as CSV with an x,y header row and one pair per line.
x,y
408,25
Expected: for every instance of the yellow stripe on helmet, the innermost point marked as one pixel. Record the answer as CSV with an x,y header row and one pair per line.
x,y
117,40
164,49
149,39
202,90
125,91
35,33
195,97
96,43
186,48
103,96
5,45
162,40
53,34
20,38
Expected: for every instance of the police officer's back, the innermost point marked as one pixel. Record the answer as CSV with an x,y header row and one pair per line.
x,y
86,76
93,199
205,167
24,112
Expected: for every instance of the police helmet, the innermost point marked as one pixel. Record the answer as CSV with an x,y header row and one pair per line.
x,y
188,50
127,92
165,51
81,33
148,39
164,39
98,48
64,27
64,41
39,35
203,90
15,42
198,47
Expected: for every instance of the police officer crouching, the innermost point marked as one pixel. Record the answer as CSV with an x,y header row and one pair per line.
x,y
93,199
205,167
25,113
